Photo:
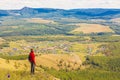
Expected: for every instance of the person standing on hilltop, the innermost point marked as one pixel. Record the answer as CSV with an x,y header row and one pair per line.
x,y
32,61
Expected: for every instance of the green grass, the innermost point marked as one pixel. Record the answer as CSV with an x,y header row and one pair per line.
x,y
85,75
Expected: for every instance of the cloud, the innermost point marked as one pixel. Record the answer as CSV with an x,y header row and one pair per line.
x,y
65,4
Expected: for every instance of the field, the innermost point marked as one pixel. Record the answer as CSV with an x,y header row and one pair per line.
x,y
91,28
40,20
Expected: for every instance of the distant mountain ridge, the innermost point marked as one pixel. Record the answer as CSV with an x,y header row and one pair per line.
x,y
49,12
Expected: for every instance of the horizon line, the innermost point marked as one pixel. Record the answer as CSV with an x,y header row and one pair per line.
x,y
58,8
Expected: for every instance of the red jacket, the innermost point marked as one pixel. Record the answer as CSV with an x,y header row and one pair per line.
x,y
32,57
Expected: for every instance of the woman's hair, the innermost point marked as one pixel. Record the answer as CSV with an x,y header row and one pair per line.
x,y
31,50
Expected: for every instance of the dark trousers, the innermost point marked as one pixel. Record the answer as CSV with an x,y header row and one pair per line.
x,y
32,68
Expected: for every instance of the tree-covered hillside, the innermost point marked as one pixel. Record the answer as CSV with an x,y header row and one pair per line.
x,y
49,13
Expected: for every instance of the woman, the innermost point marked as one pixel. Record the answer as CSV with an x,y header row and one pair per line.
x,y
32,61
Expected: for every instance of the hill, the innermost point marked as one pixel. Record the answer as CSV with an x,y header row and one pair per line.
x,y
48,21
58,13
22,67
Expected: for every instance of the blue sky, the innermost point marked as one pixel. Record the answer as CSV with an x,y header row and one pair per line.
x,y
63,4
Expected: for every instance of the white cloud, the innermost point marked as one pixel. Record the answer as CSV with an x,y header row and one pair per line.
x,y
65,4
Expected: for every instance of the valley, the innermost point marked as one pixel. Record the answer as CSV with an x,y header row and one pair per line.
x,y
77,44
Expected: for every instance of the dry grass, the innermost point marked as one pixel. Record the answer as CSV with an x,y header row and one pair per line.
x,y
91,28
47,60
52,60
14,65
40,20
20,70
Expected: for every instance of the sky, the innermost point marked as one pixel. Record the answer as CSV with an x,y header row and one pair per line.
x,y
61,4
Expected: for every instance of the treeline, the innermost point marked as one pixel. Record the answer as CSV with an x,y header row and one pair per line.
x,y
30,29
106,38
45,38
14,57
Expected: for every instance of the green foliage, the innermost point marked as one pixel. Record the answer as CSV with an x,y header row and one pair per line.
x,y
114,64
17,57
4,45
85,75
114,48
13,27
106,38
111,49
46,38
104,63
